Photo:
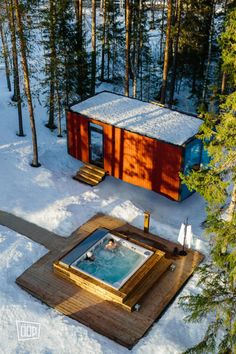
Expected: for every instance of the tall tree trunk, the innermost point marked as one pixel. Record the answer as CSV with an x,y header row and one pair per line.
x,y
93,88
101,5
103,39
127,46
6,57
223,83
162,29
232,206
35,162
108,42
137,20
224,75
141,58
52,14
17,93
66,64
114,49
175,56
79,17
152,25
205,83
122,7
59,110
81,53
167,52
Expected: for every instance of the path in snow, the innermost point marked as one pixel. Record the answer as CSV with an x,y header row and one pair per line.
x,y
36,233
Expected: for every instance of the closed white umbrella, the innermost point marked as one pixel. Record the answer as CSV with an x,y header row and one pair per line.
x,y
185,237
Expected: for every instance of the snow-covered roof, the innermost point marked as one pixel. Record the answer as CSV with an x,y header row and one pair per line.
x,y
141,117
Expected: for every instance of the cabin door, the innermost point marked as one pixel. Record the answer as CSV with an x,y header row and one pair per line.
x,y
96,142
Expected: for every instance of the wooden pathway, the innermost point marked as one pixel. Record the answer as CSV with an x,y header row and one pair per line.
x,y
36,233
103,316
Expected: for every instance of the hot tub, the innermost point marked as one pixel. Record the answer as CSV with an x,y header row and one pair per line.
x,y
112,267
122,274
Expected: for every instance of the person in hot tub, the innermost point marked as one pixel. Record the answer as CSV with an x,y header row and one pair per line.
x,y
90,256
111,245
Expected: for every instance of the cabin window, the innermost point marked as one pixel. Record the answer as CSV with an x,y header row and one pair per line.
x,y
96,142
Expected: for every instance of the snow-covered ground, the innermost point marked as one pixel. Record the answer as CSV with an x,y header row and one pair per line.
x,y
50,198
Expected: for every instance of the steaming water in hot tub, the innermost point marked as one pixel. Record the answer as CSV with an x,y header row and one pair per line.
x,y
112,266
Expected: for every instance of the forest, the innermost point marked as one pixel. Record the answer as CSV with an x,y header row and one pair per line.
x,y
164,51
179,54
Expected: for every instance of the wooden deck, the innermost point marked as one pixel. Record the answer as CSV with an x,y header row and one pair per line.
x,y
103,316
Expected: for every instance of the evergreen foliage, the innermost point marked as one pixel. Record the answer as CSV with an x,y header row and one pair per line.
x,y
112,37
217,184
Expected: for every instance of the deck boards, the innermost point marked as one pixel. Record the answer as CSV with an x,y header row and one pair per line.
x,y
105,317
134,288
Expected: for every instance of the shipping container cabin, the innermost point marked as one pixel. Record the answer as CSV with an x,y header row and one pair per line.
x,y
138,142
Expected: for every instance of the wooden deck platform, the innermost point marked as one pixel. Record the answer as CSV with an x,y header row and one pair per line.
x,y
134,288
103,316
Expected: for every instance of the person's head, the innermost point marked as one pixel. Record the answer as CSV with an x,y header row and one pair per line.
x,y
111,242
89,254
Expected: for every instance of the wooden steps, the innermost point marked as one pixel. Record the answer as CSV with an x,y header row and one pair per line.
x,y
131,292
146,284
90,174
141,274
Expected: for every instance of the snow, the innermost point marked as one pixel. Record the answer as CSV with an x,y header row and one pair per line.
x,y
49,197
141,117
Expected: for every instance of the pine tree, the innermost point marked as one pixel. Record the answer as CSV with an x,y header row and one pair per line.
x,y
52,64
127,45
194,43
5,55
62,58
167,52
208,61
111,36
146,73
217,184
176,36
136,42
94,68
79,44
104,9
163,5
10,14
23,49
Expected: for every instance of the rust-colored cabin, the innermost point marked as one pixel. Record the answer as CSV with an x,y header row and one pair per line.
x,y
138,142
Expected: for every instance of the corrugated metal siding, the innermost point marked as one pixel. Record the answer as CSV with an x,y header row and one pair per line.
x,y
77,133
84,139
134,158
72,134
171,163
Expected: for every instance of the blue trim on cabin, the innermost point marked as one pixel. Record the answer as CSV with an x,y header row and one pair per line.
x,y
195,155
